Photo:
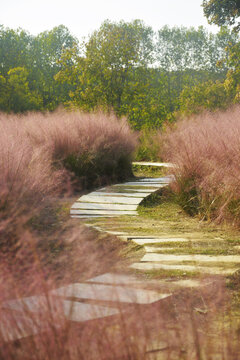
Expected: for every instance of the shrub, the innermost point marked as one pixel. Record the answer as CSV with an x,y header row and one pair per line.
x,y
149,146
206,150
37,151
97,148
26,172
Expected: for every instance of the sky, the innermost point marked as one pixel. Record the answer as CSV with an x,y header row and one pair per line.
x,y
82,17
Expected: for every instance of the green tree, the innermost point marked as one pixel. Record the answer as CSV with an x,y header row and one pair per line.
x,y
47,50
15,49
210,95
222,12
18,97
112,54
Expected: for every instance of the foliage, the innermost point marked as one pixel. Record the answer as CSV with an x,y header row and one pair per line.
x,y
28,64
149,146
210,95
206,152
122,67
222,12
181,48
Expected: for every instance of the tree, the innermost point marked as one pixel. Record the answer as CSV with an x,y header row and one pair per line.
x,y
15,49
189,56
47,50
222,12
210,95
17,96
112,53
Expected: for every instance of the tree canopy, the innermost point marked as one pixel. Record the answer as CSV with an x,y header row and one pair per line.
x,y
223,12
123,67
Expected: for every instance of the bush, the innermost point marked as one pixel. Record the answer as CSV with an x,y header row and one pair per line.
x,y
206,150
37,152
97,148
149,146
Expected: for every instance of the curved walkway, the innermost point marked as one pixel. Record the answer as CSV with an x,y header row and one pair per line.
x,y
100,296
117,200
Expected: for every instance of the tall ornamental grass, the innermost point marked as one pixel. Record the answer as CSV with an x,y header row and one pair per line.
x,y
39,153
206,150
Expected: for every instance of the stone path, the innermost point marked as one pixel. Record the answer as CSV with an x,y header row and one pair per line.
x,y
100,296
117,200
158,164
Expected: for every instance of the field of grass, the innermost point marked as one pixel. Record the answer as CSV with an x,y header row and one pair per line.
x,y
41,249
206,152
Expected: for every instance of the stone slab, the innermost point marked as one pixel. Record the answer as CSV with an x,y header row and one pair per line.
x,y
164,179
115,279
32,304
102,212
196,258
202,269
189,283
79,312
122,279
109,200
132,194
146,184
87,216
133,190
72,310
99,206
109,293
15,327
142,241
158,164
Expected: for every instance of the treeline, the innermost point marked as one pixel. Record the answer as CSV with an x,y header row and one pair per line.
x,y
124,67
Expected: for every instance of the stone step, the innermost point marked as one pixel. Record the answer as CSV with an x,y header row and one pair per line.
x,y
132,190
109,293
154,240
197,258
115,279
14,326
134,194
55,308
77,311
102,212
109,200
146,184
99,206
158,164
122,279
160,180
88,216
186,268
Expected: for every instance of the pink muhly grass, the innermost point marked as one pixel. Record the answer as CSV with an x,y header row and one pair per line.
x,y
206,150
34,149
66,133
26,173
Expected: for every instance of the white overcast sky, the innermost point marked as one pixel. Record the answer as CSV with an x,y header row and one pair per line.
x,y
84,16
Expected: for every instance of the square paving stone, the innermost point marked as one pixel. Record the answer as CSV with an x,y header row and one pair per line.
x,y
197,258
192,268
109,293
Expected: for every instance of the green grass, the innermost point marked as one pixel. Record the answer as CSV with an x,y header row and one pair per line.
x,y
149,171
172,274
160,215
